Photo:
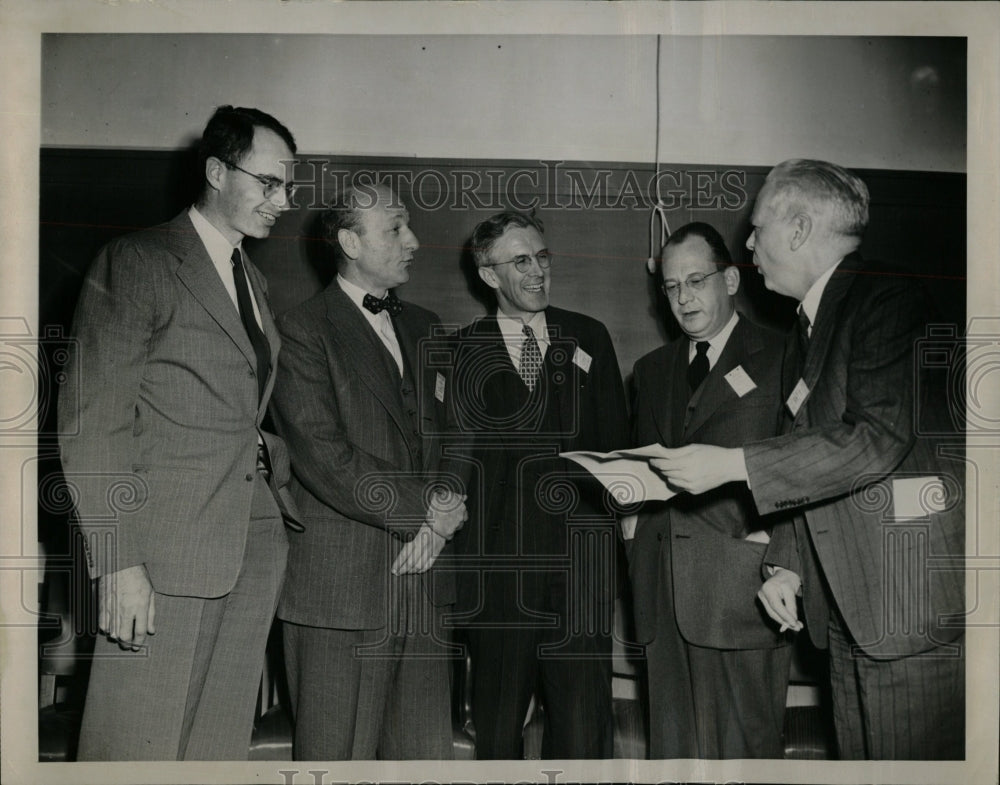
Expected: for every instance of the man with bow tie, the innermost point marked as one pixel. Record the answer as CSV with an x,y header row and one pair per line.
x,y
368,666
532,381
717,667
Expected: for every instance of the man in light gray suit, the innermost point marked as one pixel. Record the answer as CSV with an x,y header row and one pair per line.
x,y
367,664
174,351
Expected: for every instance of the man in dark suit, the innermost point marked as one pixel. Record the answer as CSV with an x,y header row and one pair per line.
x,y
532,381
174,351
875,500
717,669
367,662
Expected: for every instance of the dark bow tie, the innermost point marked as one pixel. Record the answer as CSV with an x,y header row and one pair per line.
x,y
390,303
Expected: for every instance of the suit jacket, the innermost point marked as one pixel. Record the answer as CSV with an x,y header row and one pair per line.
x,y
850,442
362,465
523,501
691,548
160,413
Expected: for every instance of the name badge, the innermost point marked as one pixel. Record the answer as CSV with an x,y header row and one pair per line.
x,y
740,381
797,398
914,498
439,387
582,360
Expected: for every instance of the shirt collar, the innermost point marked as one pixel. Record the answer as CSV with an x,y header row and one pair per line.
x,y
512,328
718,342
357,295
810,303
220,250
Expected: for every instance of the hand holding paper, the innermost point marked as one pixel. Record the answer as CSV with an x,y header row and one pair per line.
x,y
626,473
697,468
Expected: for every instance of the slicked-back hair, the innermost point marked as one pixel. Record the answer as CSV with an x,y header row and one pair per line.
x,y
486,233
800,182
708,233
344,212
229,134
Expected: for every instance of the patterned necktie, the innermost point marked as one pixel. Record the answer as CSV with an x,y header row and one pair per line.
x,y
390,303
531,359
254,333
698,369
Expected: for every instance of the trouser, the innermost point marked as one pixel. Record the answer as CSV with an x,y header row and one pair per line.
x,y
508,664
909,708
191,692
712,703
373,694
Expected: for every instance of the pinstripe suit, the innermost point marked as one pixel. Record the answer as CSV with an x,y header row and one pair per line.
x,y
163,432
362,686
867,575
717,669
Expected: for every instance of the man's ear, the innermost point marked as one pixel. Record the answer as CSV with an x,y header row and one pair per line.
x,y
732,276
489,277
349,243
214,172
802,226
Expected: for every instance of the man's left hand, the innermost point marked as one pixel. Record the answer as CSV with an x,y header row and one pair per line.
x,y
419,554
697,468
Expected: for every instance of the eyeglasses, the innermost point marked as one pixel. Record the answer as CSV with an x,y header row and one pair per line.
x,y
271,184
696,282
522,263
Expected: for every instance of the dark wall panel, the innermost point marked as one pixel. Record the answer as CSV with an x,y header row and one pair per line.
x,y
596,215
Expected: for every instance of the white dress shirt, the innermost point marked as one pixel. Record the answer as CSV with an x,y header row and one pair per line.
x,y
512,330
810,303
220,250
716,343
381,322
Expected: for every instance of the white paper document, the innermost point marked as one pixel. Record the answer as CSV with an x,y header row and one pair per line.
x,y
626,473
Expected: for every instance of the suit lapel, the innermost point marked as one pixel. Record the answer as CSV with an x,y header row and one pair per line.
x,y
671,406
199,275
257,284
716,390
360,346
506,395
558,364
826,323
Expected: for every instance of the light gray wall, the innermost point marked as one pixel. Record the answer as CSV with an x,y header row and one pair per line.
x,y
894,103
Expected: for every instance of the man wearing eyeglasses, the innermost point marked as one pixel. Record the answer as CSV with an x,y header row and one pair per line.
x,y
531,381
717,668
179,484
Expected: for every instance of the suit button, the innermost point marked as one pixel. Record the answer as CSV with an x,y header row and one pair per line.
x,y
250,372
659,536
249,477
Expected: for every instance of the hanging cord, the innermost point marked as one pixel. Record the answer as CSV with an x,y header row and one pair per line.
x,y
659,210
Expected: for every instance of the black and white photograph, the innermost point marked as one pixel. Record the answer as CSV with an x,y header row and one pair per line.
x,y
500,392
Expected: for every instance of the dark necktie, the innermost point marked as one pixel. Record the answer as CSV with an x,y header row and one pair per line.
x,y
390,303
803,333
256,335
531,359
698,369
